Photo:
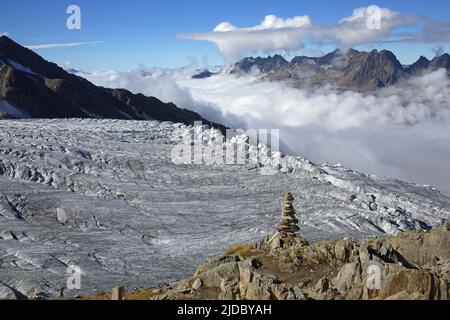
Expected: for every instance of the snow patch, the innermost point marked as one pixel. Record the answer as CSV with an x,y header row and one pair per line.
x,y
20,67
125,114
13,111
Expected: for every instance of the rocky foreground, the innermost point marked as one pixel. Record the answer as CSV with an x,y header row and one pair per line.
x,y
414,265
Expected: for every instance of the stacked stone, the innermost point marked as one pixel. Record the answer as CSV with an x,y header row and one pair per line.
x,y
288,223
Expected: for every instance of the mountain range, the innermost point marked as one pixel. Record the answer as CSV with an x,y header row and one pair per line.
x,y
31,87
353,70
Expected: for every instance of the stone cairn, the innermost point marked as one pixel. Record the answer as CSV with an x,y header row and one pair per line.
x,y
288,223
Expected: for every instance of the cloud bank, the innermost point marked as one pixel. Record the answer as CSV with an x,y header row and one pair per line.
x,y
272,34
163,84
366,25
393,132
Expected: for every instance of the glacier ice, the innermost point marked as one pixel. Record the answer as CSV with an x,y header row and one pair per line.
x,y
105,195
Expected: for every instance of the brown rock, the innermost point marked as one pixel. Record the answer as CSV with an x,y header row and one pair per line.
x,y
213,278
421,282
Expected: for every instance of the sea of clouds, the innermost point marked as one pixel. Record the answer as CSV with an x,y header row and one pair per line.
x,y
402,131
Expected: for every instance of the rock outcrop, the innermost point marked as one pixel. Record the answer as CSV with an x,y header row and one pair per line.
x,y
414,265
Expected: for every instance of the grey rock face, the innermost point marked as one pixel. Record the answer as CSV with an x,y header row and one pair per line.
x,y
105,196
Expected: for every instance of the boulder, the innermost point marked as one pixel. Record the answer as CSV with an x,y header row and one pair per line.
x,y
420,247
349,276
214,277
420,283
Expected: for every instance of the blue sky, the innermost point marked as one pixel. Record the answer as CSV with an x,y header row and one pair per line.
x,y
135,32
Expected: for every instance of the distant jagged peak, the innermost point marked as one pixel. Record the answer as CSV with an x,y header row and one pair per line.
x,y
327,59
423,65
263,64
442,61
350,69
202,74
423,59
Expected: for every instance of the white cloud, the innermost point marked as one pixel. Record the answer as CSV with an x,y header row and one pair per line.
x,y
278,34
325,107
433,32
270,22
62,45
272,34
358,28
161,83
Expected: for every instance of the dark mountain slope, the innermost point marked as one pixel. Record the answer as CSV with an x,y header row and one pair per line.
x,y
152,108
40,89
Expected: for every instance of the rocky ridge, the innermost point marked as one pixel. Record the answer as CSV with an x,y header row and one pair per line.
x,y
351,70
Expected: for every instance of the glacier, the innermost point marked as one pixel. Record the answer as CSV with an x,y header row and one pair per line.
x,y
105,195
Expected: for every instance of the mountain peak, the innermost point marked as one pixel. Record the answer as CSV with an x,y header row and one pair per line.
x,y
423,64
5,38
7,45
445,56
358,70
277,56
265,65
352,51
17,55
441,62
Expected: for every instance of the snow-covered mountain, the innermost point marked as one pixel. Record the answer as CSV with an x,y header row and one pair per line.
x,y
105,195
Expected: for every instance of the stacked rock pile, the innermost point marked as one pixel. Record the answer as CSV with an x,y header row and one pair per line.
x,y
288,223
